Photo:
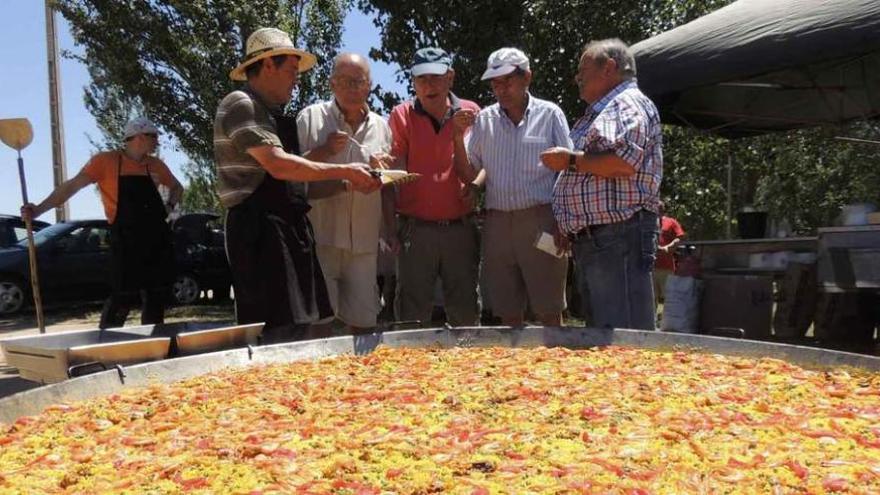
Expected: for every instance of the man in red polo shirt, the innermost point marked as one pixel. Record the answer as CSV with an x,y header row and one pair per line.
x,y
671,233
436,233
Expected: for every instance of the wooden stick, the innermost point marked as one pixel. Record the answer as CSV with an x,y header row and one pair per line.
x,y
32,250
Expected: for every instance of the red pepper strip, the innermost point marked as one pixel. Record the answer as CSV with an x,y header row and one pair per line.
x,y
798,470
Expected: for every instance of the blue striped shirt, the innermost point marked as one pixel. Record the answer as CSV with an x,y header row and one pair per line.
x,y
511,153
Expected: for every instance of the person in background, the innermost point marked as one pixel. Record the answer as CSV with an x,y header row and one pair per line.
x,y
607,196
347,224
671,233
436,235
504,151
261,181
142,258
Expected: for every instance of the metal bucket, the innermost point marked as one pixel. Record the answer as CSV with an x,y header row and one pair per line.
x,y
33,401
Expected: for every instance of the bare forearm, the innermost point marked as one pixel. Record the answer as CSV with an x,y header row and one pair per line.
x,y
672,244
604,165
55,199
285,166
319,154
480,178
463,168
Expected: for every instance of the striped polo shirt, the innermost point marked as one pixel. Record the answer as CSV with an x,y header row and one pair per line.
x,y
511,153
243,121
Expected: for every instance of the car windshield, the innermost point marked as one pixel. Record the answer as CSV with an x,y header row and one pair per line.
x,y
46,234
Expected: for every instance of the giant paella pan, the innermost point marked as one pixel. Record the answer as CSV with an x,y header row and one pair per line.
x,y
475,411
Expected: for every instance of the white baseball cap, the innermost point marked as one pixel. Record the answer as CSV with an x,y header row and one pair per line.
x,y
504,61
140,125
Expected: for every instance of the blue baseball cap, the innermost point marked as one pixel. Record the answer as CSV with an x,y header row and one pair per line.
x,y
431,61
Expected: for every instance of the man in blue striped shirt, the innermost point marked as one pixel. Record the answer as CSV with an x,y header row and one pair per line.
x,y
503,151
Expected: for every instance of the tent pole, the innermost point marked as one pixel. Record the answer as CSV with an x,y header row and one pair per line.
x,y
729,189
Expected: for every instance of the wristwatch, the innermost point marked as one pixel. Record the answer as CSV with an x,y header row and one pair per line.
x,y
572,162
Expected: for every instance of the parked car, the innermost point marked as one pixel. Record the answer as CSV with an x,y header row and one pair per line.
x,y
73,259
13,230
200,254
74,262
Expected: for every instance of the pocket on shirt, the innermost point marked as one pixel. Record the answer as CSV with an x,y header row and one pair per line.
x,y
542,140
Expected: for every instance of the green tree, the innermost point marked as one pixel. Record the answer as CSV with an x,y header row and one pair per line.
x,y
550,32
173,57
803,176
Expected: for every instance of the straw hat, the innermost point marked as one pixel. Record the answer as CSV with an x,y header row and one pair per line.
x,y
268,42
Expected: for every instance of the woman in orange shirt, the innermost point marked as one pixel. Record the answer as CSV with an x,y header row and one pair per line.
x,y
140,238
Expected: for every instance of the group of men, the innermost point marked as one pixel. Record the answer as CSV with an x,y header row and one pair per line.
x,y
592,190
306,203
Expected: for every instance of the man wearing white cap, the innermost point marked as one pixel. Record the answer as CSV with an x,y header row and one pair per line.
x,y
437,234
504,152
260,179
140,239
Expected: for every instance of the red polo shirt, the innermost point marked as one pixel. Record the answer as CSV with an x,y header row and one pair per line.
x,y
427,147
670,229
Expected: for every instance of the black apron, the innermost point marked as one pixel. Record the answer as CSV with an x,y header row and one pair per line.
x,y
140,239
271,249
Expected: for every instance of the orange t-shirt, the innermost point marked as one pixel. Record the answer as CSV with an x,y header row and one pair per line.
x,y
102,169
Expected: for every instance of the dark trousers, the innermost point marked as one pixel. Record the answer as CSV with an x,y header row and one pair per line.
x,y
118,305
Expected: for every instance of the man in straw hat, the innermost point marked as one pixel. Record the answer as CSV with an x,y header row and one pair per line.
x,y
261,178
142,261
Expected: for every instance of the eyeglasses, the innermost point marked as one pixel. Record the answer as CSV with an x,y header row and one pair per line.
x,y
350,83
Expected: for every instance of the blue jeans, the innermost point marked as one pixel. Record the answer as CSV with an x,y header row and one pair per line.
x,y
615,264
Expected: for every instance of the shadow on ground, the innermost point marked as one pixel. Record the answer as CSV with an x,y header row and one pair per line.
x,y
11,383
87,315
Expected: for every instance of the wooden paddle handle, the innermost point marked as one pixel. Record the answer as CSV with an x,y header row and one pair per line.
x,y
32,251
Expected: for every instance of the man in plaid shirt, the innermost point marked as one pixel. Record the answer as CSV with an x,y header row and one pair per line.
x,y
606,198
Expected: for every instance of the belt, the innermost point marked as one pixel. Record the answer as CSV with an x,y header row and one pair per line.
x,y
590,230
585,233
437,223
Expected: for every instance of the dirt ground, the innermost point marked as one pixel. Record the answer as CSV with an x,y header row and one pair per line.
x,y
82,316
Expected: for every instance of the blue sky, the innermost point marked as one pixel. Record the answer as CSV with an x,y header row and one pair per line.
x,y
25,93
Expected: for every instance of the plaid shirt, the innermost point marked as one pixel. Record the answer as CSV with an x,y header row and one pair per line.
x,y
626,123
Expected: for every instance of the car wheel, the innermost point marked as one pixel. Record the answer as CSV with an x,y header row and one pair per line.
x,y
12,296
186,289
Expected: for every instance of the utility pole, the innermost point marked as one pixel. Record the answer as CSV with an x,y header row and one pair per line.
x,y
59,169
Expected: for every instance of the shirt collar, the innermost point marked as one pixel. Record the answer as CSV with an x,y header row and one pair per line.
x,y
530,104
337,114
454,106
273,109
603,102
